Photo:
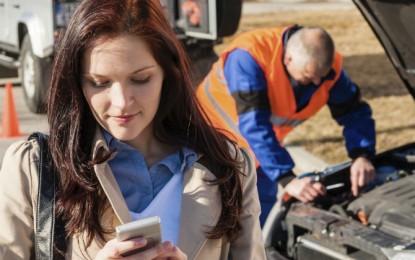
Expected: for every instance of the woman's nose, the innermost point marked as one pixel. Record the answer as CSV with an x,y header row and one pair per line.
x,y
121,96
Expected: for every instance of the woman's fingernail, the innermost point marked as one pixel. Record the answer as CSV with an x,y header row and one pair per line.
x,y
167,245
141,241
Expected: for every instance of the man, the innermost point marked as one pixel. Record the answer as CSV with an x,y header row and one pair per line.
x,y
270,80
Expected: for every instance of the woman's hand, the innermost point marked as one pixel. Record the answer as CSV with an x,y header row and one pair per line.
x,y
114,249
173,253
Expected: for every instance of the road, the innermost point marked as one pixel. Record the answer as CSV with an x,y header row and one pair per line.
x,y
28,122
273,6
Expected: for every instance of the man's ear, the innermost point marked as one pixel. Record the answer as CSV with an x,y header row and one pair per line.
x,y
287,59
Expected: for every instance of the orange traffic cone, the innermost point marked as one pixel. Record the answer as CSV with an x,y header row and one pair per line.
x,y
9,121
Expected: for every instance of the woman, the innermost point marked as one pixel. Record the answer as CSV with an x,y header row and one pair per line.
x,y
128,140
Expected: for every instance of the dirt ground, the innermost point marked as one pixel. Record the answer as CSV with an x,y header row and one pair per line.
x,y
367,64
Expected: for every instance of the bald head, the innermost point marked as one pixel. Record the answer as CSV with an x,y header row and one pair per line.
x,y
311,45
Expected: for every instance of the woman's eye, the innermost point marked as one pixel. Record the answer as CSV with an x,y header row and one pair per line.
x,y
141,81
99,84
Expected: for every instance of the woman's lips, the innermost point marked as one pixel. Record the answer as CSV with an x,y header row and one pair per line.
x,y
123,119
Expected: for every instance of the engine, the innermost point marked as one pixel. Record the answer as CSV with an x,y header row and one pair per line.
x,y
378,224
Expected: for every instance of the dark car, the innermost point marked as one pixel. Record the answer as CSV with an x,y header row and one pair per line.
x,y
380,222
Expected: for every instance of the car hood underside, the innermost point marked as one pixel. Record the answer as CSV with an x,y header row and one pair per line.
x,y
393,22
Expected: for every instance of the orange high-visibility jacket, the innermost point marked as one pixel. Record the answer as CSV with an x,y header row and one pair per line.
x,y
266,47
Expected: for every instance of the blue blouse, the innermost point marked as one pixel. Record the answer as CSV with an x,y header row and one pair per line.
x,y
139,184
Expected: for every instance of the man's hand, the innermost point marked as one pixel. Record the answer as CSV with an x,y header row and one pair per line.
x,y
362,172
305,189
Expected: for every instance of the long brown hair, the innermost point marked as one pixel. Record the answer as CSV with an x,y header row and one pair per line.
x,y
180,120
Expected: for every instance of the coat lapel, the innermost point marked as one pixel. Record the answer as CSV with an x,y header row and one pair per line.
x,y
108,182
201,208
113,192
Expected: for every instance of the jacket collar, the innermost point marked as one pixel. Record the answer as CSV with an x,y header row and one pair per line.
x,y
107,180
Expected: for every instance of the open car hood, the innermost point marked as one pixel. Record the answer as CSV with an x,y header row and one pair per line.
x,y
393,22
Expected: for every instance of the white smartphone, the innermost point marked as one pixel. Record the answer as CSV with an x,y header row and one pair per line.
x,y
148,228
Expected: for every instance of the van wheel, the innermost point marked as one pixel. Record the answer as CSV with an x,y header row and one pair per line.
x,y
228,15
35,75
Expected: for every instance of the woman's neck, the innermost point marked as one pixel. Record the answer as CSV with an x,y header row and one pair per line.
x,y
152,149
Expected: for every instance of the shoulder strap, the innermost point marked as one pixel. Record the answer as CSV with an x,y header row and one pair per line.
x,y
49,231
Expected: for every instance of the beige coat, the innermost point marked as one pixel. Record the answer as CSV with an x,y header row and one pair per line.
x,y
201,208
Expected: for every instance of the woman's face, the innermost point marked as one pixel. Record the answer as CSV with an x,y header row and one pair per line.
x,y
122,84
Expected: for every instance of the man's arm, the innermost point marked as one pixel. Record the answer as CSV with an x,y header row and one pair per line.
x,y
355,115
247,84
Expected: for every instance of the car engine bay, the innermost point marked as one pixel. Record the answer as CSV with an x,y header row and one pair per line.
x,y
378,224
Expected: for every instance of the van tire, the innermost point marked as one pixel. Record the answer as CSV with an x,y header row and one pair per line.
x,y
35,76
228,15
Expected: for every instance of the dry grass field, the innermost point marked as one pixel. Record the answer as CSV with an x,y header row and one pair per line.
x,y
366,63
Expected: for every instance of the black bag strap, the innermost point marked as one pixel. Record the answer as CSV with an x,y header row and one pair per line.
x,y
50,234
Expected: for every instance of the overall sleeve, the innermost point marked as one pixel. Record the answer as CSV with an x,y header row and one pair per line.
x,y
355,115
249,244
16,204
247,84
